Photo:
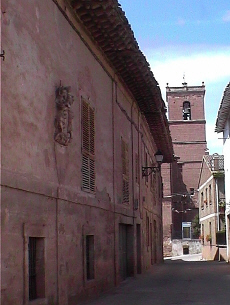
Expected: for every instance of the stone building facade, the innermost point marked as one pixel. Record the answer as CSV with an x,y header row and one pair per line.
x,y
81,115
187,126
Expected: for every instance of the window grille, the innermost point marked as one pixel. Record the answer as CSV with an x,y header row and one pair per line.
x,y
88,147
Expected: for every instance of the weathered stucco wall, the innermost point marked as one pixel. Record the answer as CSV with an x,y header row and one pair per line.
x,y
42,195
182,247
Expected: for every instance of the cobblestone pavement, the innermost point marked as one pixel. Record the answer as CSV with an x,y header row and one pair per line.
x,y
184,281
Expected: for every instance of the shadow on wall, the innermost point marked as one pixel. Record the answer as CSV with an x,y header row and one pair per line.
x,y
183,207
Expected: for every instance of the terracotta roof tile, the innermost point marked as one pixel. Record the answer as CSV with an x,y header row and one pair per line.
x,y
108,26
224,110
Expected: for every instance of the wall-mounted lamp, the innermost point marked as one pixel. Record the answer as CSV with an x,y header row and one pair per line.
x,y
148,170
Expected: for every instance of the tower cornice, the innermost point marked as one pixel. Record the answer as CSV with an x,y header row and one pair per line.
x,y
185,90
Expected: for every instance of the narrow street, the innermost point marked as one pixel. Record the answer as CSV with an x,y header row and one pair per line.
x,y
175,282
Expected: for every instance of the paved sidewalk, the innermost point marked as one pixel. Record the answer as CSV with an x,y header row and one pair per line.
x,y
181,281
186,258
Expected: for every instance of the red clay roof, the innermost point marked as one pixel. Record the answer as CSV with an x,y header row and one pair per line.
x,y
224,110
109,28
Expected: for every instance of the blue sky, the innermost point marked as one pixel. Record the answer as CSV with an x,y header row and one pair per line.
x,y
186,37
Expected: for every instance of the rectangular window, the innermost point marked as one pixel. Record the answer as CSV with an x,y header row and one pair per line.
x,y
206,196
125,171
186,110
210,194
186,230
88,147
89,257
36,268
210,232
202,200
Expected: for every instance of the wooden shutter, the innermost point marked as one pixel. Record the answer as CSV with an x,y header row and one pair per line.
x,y
92,131
88,147
92,174
85,126
85,173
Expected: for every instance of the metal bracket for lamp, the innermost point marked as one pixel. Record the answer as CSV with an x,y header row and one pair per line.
x,y
148,170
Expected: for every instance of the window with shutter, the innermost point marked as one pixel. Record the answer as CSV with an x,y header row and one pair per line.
x,y
88,147
125,171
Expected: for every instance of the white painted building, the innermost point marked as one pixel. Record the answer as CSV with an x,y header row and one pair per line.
x,y
223,126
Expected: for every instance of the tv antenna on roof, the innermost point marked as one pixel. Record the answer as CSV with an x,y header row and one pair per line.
x,y
184,82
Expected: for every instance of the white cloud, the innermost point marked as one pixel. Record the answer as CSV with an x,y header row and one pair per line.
x,y
226,17
208,66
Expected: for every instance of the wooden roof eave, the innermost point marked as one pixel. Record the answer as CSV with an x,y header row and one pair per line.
x,y
107,24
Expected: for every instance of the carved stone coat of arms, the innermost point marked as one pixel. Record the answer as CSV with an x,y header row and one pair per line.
x,y
64,116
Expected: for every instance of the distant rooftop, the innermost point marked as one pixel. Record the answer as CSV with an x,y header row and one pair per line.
x,y
215,162
224,110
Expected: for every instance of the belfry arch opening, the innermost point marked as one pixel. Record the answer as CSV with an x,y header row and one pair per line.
x,y
186,111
